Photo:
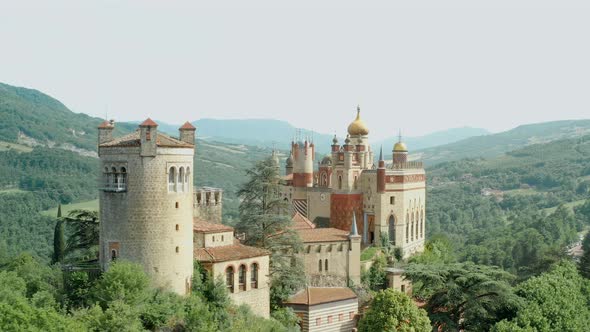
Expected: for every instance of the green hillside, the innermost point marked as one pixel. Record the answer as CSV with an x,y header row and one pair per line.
x,y
33,118
518,210
489,146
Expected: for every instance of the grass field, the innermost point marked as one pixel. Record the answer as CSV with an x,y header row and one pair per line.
x,y
570,205
12,191
529,191
87,205
369,253
5,146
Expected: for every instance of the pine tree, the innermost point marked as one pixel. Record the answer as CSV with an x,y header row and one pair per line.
x,y
59,241
265,221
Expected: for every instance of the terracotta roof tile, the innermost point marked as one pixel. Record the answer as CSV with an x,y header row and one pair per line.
x,y
105,124
202,226
188,126
228,253
319,295
322,235
131,140
148,123
300,222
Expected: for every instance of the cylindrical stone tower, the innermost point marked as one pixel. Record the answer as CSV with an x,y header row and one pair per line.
x,y
146,204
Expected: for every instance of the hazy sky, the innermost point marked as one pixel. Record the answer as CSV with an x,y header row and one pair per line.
x,y
419,67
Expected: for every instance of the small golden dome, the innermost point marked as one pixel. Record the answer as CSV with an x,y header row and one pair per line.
x,y
358,126
400,147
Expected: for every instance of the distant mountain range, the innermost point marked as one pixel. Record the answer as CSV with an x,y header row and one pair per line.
x,y
493,145
32,118
278,134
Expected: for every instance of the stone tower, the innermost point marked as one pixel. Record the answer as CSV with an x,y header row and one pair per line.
x,y
303,158
146,202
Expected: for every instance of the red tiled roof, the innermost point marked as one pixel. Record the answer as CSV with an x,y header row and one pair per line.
x,y
319,295
228,253
105,124
188,126
322,235
131,140
202,226
300,222
148,123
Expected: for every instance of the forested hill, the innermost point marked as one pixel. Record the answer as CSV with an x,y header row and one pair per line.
x,y
519,210
489,146
32,118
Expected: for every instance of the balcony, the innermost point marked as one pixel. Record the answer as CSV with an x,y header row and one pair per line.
x,y
114,187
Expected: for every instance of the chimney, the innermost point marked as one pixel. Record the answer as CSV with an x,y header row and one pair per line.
x,y
186,133
105,131
148,136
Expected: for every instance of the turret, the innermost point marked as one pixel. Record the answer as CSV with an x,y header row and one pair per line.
x,y
381,173
303,160
148,133
354,254
289,165
105,131
400,152
187,133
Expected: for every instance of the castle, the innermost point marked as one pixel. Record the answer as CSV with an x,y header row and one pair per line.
x,y
152,215
387,200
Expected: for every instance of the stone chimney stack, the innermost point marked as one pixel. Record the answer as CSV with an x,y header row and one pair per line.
x,y
148,136
187,133
105,131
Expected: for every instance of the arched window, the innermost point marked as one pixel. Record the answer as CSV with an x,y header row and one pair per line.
x,y
320,265
254,275
417,225
339,181
242,277
172,179
123,178
115,177
324,180
107,178
326,265
392,230
355,182
181,179
407,228
422,224
412,231
187,177
113,255
229,278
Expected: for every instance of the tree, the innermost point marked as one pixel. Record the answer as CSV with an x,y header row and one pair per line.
x,y
59,241
464,296
393,311
376,277
554,301
584,265
85,233
266,221
123,281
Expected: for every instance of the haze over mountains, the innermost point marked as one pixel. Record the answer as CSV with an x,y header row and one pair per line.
x,y
32,118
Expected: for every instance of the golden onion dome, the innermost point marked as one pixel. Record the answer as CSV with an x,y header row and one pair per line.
x,y
358,126
400,147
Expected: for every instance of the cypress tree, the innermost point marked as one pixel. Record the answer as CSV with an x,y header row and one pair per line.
x,y
59,241
585,259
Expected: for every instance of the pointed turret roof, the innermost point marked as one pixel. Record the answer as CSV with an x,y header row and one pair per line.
x,y
148,123
187,126
353,229
381,153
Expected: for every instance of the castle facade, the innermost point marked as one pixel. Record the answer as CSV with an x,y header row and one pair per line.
x,y
387,199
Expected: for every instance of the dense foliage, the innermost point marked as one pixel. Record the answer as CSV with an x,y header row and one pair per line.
x,y
36,297
392,311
